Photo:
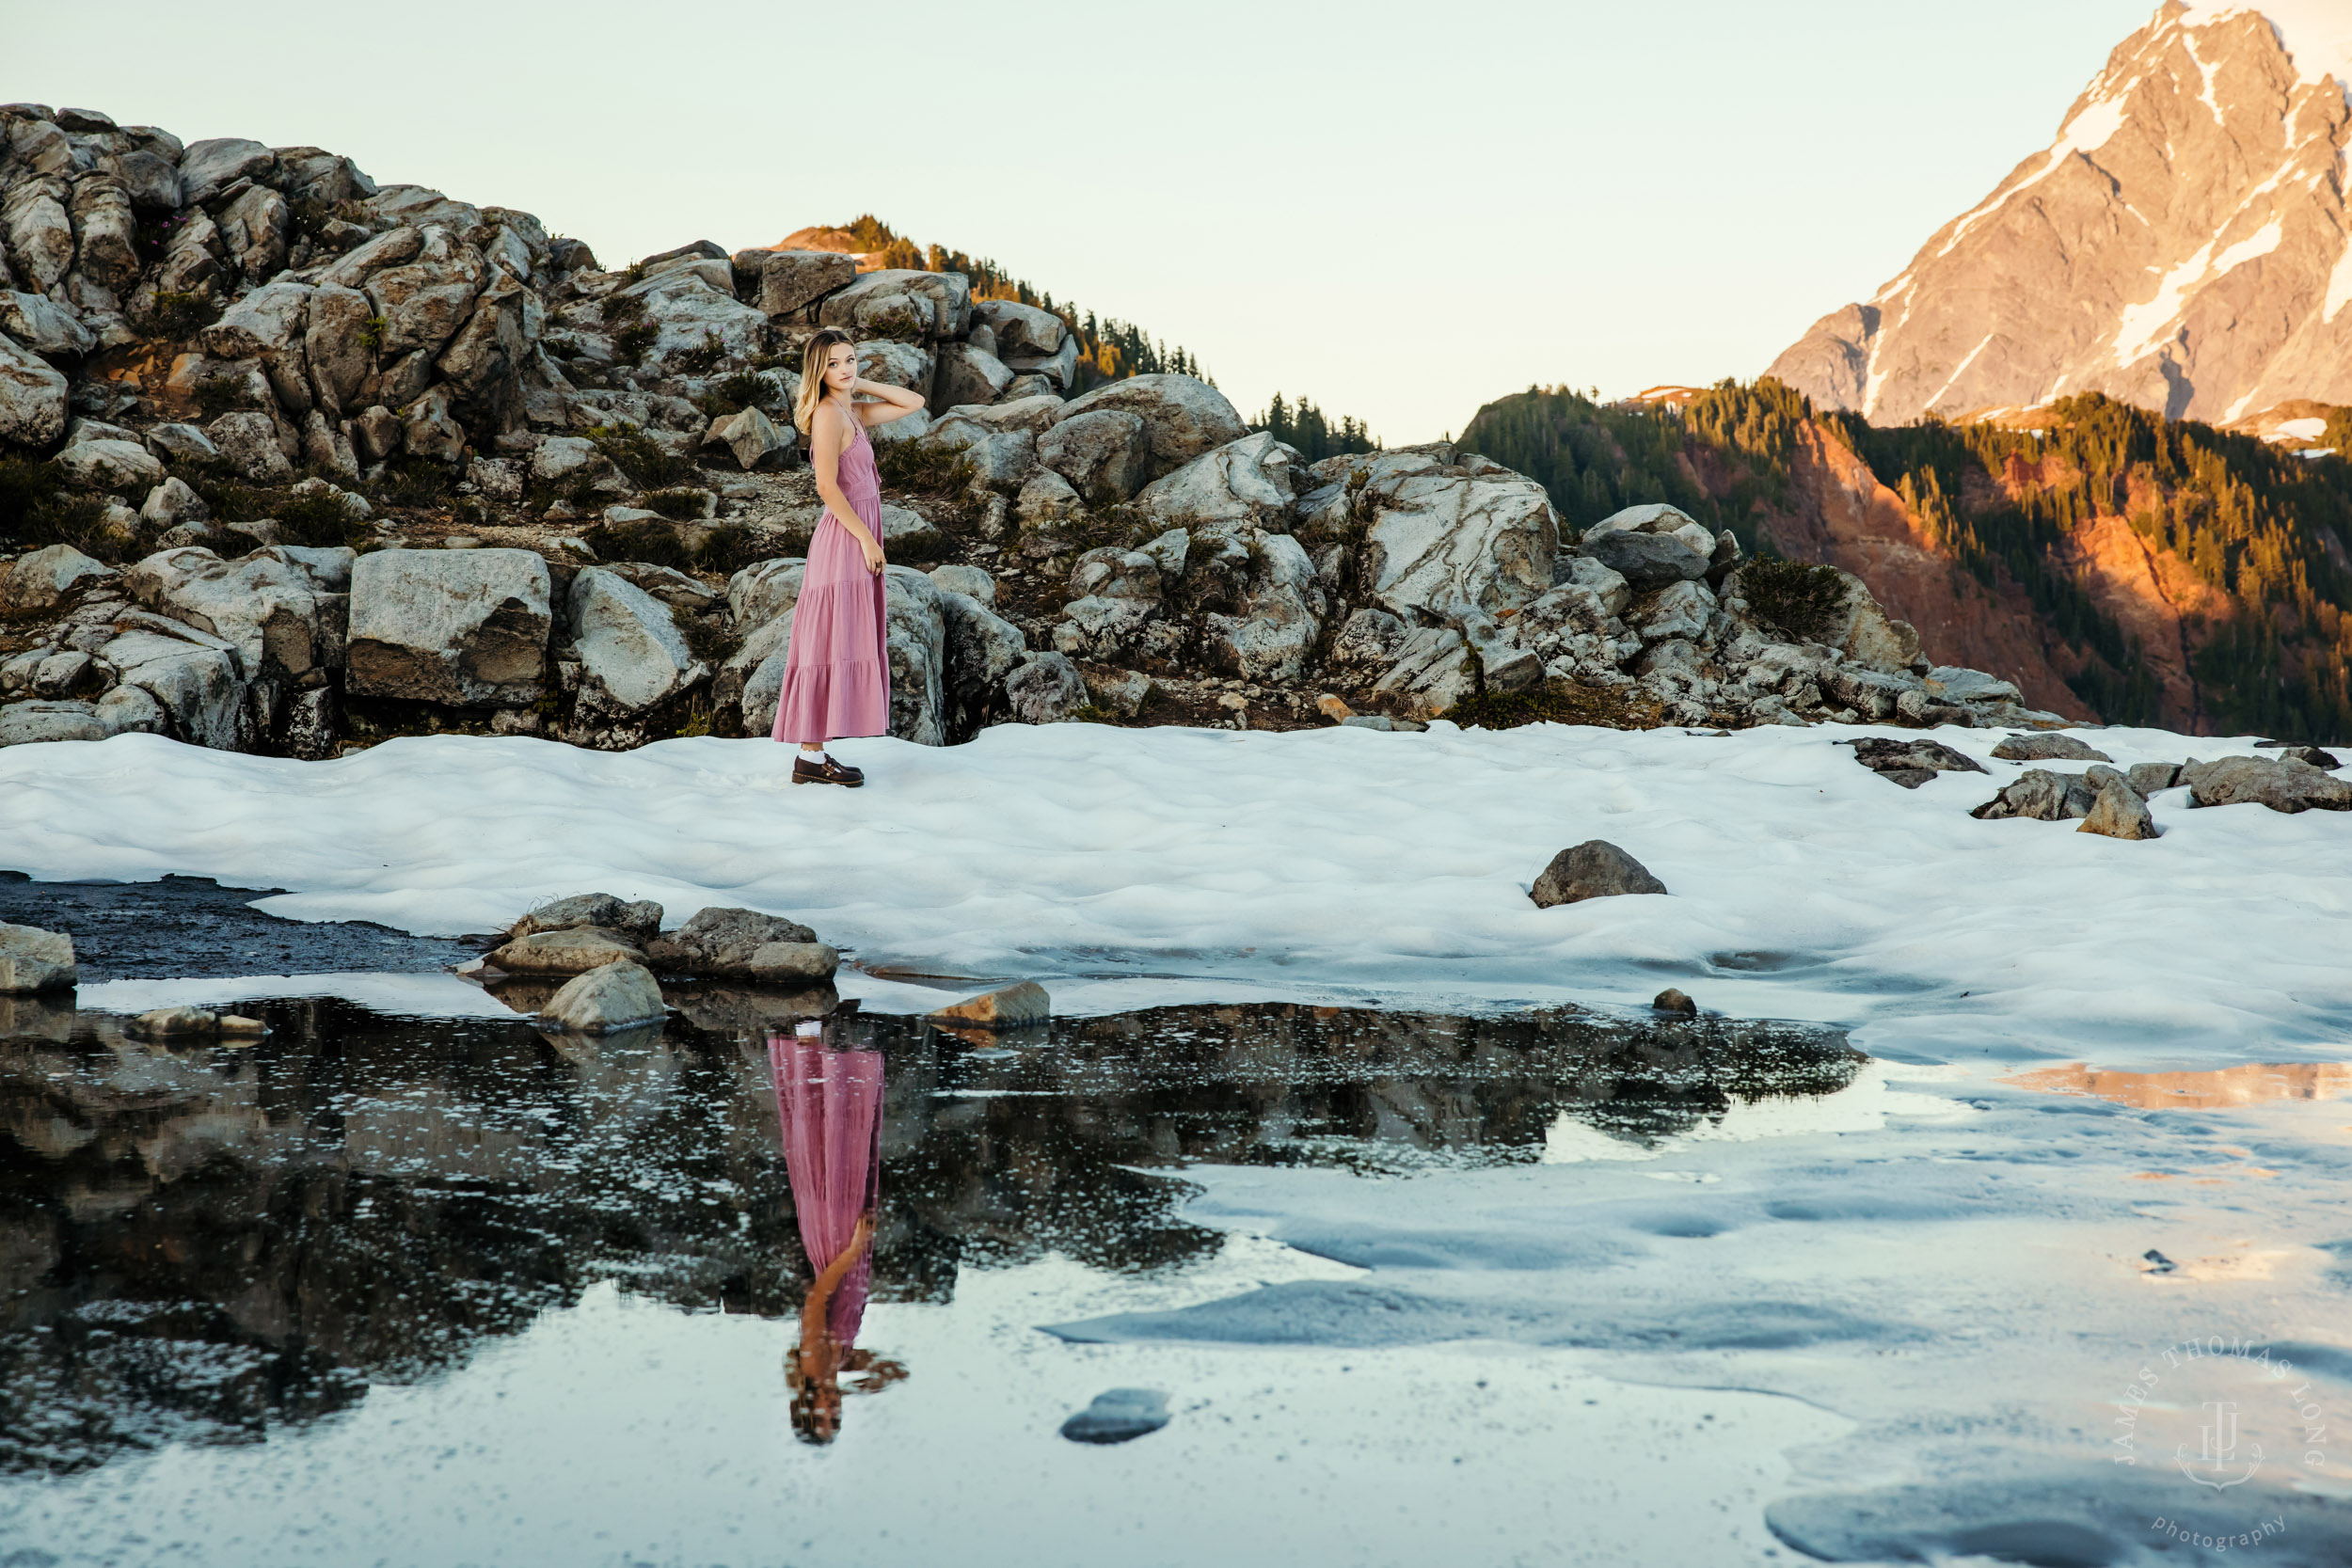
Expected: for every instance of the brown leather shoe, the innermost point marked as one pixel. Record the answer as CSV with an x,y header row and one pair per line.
x,y
825,770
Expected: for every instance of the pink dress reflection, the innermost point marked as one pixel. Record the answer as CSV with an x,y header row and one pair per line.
x,y
829,1106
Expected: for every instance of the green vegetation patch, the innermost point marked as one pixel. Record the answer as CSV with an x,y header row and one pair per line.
x,y
640,456
1559,703
1802,599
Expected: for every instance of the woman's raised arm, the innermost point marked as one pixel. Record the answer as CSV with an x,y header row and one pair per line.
x,y
896,402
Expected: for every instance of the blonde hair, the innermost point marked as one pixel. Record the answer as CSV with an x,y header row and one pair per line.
x,y
813,377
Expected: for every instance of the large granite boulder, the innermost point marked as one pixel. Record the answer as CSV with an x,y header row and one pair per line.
x,y
32,397
1103,450
274,607
1452,531
44,579
465,628
32,959
632,657
1252,481
2282,784
1650,546
721,943
1183,416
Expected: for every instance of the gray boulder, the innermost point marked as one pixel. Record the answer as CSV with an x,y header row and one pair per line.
x,y
32,397
1594,869
792,964
2283,783
1650,546
195,680
172,503
1912,763
32,959
721,943
42,324
1248,482
1433,670
1026,336
2047,746
1450,532
249,442
268,606
970,581
43,579
1370,638
642,919
632,657
41,720
570,950
466,627
181,443
2146,778
617,995
1047,689
2043,796
902,302
791,280
1100,450
2118,812
1183,416
753,439
1119,1415
968,375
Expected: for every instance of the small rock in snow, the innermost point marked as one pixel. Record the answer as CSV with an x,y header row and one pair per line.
x,y
2048,746
1594,869
1118,1417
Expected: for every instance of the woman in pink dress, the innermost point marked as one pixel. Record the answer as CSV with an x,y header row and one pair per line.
x,y
829,1105
836,676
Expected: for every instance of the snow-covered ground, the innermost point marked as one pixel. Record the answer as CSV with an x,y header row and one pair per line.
x,y
1898,1322
1126,868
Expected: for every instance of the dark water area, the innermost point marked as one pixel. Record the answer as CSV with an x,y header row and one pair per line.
x,y
188,927
214,1244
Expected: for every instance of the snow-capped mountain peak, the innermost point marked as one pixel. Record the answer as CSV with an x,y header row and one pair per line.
x,y
2183,242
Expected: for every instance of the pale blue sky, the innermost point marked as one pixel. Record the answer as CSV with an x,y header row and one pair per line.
x,y
1400,211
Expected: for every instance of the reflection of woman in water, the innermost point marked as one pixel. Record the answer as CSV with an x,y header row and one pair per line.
x,y
829,1104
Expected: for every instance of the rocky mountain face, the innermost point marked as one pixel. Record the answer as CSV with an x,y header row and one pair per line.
x,y
291,462
2183,245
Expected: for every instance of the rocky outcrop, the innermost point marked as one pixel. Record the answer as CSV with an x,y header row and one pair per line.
x,y
2181,244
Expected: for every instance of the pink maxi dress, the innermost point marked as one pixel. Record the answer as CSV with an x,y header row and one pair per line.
x,y
837,675
830,1103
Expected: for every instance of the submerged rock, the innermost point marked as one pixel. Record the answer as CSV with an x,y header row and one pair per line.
x,y
573,950
611,996
1014,1006
1594,869
1118,1417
